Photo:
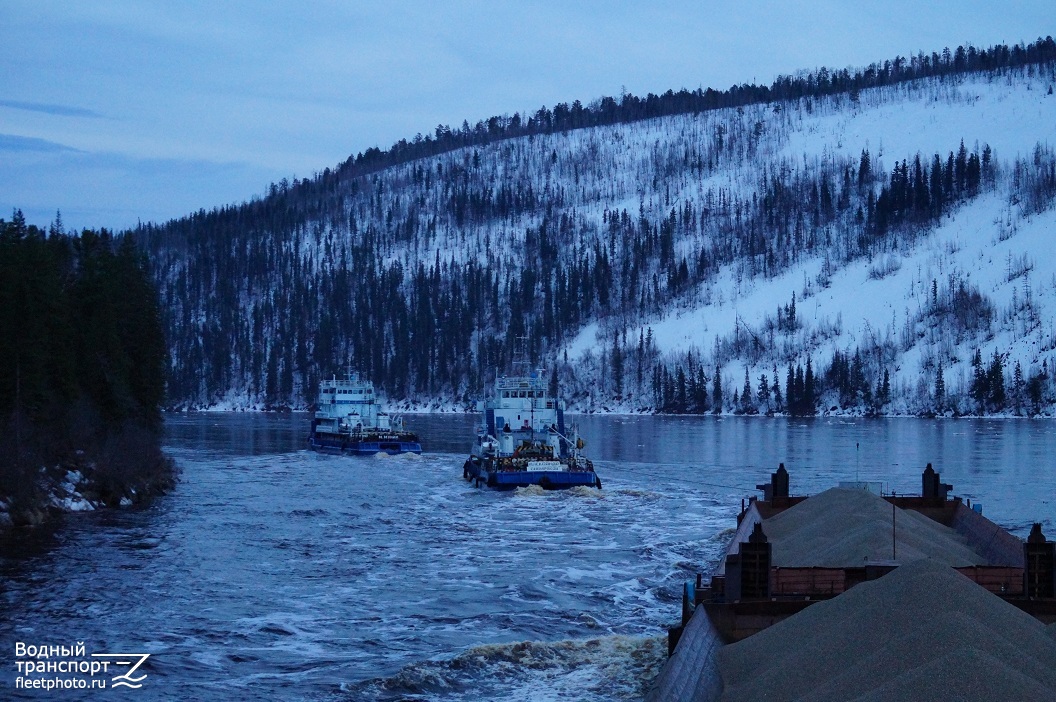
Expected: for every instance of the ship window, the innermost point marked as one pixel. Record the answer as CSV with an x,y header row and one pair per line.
x,y
522,393
505,393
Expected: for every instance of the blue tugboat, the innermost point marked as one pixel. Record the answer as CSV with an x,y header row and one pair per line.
x,y
524,441
348,421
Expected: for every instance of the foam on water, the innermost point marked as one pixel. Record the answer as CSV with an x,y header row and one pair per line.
x,y
531,491
579,492
637,492
403,456
603,668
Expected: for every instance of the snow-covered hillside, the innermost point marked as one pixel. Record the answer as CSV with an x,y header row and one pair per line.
x,y
892,231
857,309
997,243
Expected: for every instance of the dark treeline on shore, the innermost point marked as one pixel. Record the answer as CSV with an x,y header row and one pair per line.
x,y
82,365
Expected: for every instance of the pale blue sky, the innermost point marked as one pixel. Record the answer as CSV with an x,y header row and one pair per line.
x,y
126,110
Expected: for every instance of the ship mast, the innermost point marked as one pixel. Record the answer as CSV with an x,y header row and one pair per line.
x,y
525,371
520,357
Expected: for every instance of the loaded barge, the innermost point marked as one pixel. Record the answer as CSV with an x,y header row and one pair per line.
x,y
853,594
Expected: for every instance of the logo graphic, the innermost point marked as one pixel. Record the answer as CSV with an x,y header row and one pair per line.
x,y
126,659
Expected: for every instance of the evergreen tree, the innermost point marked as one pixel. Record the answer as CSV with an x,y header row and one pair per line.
x,y
670,399
799,407
791,397
864,170
960,169
658,387
701,397
940,389
935,186
980,388
716,393
1017,386
810,400
764,390
1035,390
778,400
639,360
858,382
680,391
995,378
746,395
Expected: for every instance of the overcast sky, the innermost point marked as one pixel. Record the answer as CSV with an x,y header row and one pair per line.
x,y
119,111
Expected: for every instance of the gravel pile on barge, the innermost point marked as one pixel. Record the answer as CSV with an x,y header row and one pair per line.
x,y
922,632
845,527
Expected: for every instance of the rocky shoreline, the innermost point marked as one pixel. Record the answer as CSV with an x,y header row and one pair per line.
x,y
78,485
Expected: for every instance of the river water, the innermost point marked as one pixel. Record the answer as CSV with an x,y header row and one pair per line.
x,y
275,573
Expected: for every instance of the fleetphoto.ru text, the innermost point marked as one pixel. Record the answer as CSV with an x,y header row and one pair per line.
x,y
71,667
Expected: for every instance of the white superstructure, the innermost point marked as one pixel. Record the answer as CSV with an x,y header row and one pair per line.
x,y
349,405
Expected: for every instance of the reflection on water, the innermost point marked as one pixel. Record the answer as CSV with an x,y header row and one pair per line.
x,y
275,573
1006,465
238,434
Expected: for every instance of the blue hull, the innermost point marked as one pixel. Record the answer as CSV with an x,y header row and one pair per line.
x,y
482,476
362,448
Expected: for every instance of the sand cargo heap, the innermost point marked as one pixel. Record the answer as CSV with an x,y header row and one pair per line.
x,y
855,595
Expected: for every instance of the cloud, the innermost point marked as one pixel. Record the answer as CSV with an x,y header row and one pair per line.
x,y
50,109
13,142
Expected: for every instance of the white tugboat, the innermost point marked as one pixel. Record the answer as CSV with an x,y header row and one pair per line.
x,y
348,420
523,440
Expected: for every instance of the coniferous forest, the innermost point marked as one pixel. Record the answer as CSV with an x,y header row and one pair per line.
x,y
422,265
82,366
